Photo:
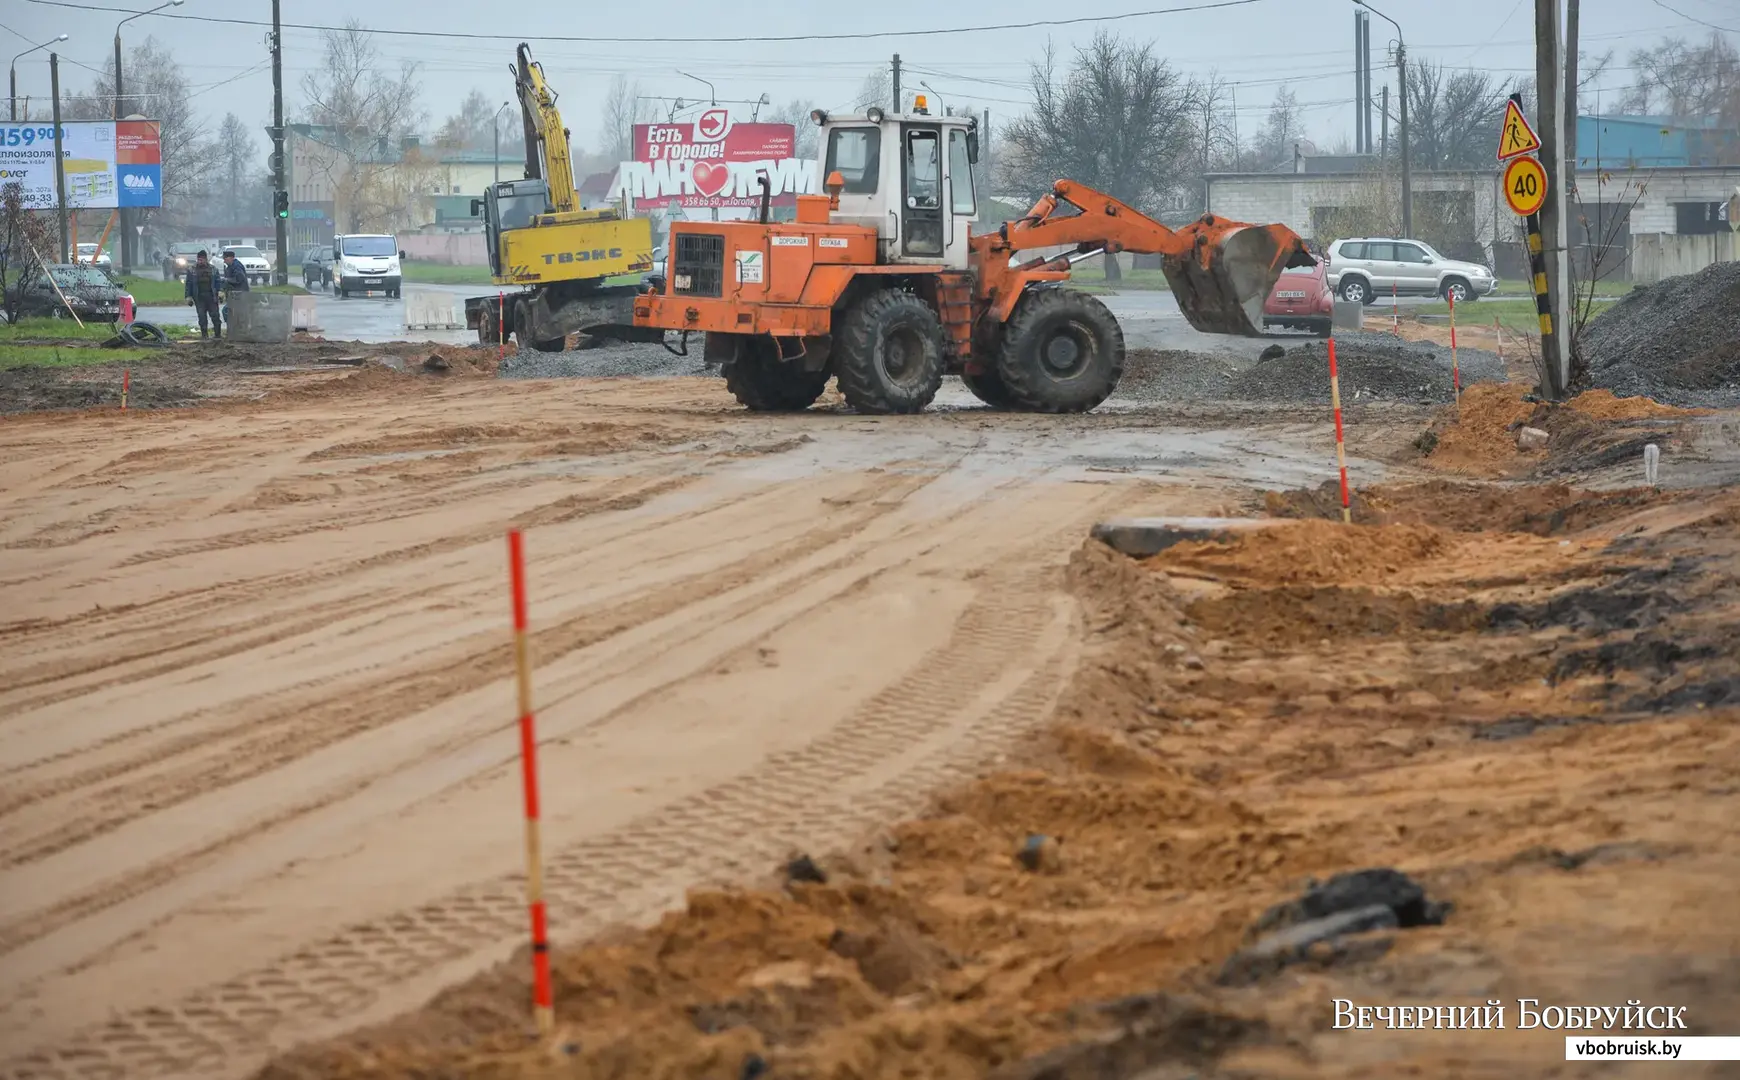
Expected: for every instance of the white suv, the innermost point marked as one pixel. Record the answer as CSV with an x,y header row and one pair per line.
x,y
1362,269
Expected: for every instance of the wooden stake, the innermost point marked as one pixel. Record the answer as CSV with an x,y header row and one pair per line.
x,y
543,1003
1340,447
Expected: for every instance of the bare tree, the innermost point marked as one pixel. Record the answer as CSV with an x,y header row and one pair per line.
x,y
624,107
21,231
1452,115
362,111
1603,225
797,113
1276,143
876,89
1680,79
157,88
237,163
473,127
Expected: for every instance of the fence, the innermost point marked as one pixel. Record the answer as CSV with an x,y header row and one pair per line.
x,y
1655,256
448,249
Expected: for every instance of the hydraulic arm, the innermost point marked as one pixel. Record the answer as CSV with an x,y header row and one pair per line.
x,y
1220,271
546,139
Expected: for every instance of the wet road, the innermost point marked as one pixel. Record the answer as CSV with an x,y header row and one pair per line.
x,y
1150,318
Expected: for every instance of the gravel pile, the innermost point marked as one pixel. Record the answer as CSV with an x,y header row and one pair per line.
x,y
1373,367
1677,341
603,360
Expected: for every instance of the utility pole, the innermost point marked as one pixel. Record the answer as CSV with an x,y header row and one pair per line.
x,y
59,155
1550,118
280,197
1407,174
1384,123
1571,96
897,83
1365,80
121,214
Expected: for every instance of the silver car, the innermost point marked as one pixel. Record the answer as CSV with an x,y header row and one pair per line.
x,y
1361,269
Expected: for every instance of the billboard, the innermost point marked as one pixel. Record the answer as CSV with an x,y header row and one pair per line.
x,y
108,163
712,161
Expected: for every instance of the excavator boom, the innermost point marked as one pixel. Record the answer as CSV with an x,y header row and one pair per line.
x,y
546,139
1220,271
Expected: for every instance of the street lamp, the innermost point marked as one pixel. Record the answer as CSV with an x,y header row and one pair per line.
x,y
496,124
126,242
13,112
759,102
712,95
1402,87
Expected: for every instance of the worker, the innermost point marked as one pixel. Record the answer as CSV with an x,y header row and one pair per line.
x,y
202,286
235,274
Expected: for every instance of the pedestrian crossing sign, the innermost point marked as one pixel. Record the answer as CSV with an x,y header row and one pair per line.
x,y
1515,136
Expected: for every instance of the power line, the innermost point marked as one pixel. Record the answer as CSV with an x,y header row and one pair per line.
x,y
1693,18
638,39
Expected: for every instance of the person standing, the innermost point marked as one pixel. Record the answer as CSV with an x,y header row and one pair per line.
x,y
235,274
202,285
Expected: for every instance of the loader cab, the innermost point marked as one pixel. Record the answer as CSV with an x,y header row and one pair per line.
x,y
510,204
909,177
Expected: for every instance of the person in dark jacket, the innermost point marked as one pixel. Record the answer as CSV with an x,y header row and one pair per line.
x,y
204,282
235,274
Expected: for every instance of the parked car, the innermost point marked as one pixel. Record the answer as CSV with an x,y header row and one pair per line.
x,y
93,255
253,261
179,259
317,267
89,291
1364,268
1302,300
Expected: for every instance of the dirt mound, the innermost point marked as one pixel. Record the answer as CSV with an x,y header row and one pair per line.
x,y
1479,438
1539,509
1677,341
1370,368
1311,551
1606,405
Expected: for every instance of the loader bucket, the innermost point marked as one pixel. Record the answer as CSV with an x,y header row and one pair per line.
x,y
1221,287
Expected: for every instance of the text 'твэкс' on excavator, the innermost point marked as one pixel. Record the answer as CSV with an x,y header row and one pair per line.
x,y
881,284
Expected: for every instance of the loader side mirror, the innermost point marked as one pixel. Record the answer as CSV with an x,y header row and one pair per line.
x,y
476,207
973,145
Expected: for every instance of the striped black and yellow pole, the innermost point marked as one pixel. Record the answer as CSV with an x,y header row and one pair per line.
x,y
1538,266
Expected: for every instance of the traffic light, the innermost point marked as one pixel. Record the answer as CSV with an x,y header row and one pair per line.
x,y
281,203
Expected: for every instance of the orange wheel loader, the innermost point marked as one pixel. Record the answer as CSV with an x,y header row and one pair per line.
x,y
881,284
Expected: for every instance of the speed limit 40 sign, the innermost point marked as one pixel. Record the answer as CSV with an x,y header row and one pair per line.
x,y
1525,185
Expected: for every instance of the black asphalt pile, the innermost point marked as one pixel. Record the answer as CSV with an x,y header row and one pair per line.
x,y
1373,367
1677,341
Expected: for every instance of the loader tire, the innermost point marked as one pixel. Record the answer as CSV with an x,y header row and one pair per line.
x,y
1063,352
761,382
889,352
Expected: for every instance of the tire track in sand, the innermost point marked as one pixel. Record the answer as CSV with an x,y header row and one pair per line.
x,y
993,681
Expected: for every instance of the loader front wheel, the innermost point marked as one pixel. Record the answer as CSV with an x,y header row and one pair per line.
x,y
761,382
1063,352
889,353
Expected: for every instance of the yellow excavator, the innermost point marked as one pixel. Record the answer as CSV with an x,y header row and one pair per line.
x,y
559,256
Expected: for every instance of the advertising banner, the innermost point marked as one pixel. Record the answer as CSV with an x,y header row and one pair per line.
x,y
712,162
108,163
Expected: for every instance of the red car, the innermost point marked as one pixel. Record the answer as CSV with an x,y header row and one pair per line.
x,y
1302,300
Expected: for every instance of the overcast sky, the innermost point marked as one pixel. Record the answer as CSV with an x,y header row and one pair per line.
x,y
1306,45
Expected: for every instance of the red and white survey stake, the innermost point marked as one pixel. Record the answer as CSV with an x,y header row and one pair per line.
x,y
1395,311
543,1003
1498,332
1455,371
1340,446
500,326
123,389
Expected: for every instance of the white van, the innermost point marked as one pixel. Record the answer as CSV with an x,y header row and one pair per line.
x,y
365,263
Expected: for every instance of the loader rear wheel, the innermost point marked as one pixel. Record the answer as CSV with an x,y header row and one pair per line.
x,y
890,354
761,382
1063,352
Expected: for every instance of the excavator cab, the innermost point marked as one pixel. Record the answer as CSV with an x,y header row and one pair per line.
x,y
909,177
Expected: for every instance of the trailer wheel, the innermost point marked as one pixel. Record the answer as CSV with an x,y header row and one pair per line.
x,y
1063,352
890,354
761,382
